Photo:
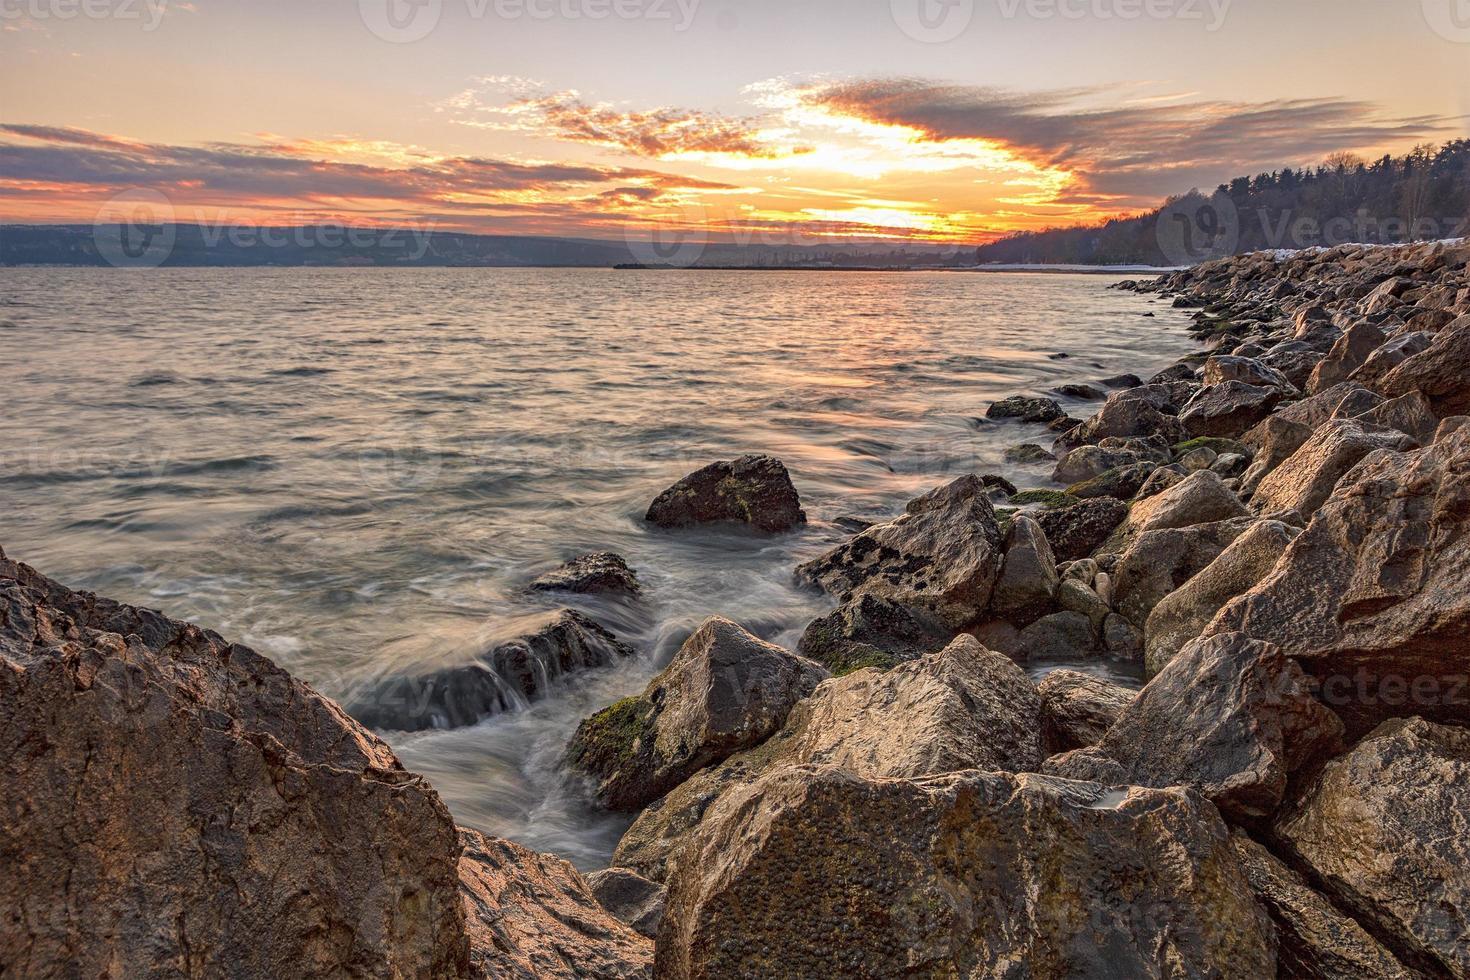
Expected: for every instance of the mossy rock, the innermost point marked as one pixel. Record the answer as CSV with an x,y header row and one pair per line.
x,y
1217,444
609,740
1047,499
861,659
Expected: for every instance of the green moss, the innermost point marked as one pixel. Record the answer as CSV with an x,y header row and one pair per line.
x,y
609,739
861,658
1048,499
1219,445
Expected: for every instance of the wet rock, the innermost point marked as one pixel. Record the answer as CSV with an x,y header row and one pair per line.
x,y
1294,359
1374,597
1028,453
1383,828
1277,439
1228,409
1224,367
1132,412
1304,482
1200,498
1390,355
966,874
1074,596
1159,562
1316,941
943,555
532,917
171,797
1005,488
1122,381
1027,586
871,631
753,490
603,573
964,707
1027,409
1183,614
1077,709
1061,636
724,691
1230,716
1077,530
1347,355
1081,392
1087,462
1439,372
1410,414
1174,372
1122,640
502,679
1122,482
631,898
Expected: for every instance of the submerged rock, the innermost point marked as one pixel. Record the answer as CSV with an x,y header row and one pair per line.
x,y
724,691
754,490
602,573
815,871
532,917
1383,828
943,555
502,679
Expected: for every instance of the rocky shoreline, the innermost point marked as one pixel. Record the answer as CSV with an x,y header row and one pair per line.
x,y
1275,532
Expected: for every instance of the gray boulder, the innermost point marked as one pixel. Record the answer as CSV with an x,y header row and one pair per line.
x,y
753,490
1159,562
815,871
603,573
1027,587
724,691
1076,531
1062,636
1077,709
1123,482
1131,412
1354,347
1200,498
1305,481
943,556
631,898
1383,828
1225,367
1230,716
871,631
1229,408
1025,408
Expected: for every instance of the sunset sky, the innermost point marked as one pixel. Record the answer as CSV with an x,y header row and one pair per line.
x,y
762,120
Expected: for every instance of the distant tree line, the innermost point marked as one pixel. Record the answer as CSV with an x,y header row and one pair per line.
x,y
1423,195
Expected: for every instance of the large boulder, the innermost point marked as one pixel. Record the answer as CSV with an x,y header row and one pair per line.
x,y
1200,498
533,917
1383,830
1390,355
1343,400
964,707
1315,940
177,805
816,871
1229,408
1144,411
1184,614
1305,481
1027,587
506,677
724,691
630,898
1438,371
1410,414
870,631
1225,367
942,555
1077,709
1229,716
602,573
1076,531
1276,440
1374,596
1359,341
753,490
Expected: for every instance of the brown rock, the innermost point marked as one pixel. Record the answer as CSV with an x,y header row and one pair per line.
x,y
1077,709
754,490
1305,481
1440,372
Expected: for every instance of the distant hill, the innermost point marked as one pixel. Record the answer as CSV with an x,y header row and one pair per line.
x,y
1423,195
200,245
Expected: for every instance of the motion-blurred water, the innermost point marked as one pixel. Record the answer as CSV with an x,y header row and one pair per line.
x,y
357,470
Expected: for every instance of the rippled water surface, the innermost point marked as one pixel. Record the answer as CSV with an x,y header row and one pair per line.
x,y
359,470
